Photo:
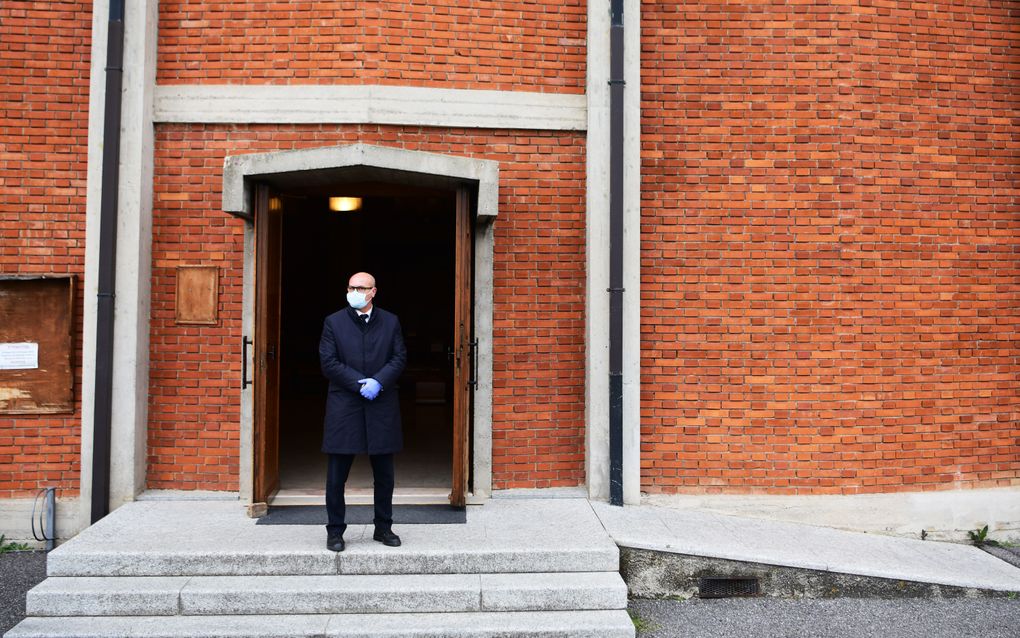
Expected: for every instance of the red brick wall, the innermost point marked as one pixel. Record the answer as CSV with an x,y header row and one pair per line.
x,y
830,239
538,414
44,66
487,44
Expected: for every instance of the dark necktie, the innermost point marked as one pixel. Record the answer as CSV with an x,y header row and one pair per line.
x,y
365,317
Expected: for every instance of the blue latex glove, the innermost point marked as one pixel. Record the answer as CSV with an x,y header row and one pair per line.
x,y
370,388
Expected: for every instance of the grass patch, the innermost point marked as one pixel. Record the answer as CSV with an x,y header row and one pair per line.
x,y
6,546
640,624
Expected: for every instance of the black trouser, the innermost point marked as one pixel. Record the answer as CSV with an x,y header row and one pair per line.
x,y
336,477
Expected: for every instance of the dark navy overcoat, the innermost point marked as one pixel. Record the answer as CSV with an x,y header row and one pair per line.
x,y
350,350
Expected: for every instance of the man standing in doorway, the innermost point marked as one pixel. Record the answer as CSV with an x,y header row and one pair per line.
x,y
362,354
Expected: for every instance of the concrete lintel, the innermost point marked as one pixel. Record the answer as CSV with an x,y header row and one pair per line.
x,y
369,104
238,167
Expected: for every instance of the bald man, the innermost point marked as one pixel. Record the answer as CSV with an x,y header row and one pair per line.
x,y
362,354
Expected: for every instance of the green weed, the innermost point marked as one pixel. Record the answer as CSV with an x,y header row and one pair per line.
x,y
640,624
11,546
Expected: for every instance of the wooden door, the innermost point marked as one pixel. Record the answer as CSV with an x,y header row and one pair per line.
x,y
268,253
463,377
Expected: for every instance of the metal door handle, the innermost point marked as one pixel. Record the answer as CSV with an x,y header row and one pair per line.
x,y
473,353
245,342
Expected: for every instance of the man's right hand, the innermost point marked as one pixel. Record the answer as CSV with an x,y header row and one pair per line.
x,y
370,388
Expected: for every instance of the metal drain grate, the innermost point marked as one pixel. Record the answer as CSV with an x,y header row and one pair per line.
x,y
728,587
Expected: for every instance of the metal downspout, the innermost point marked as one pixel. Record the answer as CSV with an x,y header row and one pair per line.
x,y
106,279
616,86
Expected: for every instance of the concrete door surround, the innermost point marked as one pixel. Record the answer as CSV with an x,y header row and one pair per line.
x,y
241,171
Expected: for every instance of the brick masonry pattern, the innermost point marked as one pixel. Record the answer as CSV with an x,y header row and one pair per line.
x,y
538,394
486,44
44,94
829,230
829,246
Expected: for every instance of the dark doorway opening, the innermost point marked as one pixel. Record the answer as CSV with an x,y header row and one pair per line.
x,y
406,237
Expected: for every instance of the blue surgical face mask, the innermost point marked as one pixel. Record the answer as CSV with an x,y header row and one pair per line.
x,y
357,299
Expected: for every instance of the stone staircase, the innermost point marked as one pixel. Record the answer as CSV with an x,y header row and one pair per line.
x,y
175,569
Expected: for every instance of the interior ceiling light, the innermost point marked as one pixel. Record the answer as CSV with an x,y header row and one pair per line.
x,y
344,204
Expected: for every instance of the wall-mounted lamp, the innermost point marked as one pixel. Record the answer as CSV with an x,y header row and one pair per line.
x,y
275,204
344,204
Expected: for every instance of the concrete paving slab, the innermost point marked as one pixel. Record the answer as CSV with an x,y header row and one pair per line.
x,y
174,538
100,596
544,624
586,624
230,595
805,546
552,592
157,538
172,627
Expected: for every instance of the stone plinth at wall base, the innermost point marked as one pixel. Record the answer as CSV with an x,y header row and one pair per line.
x,y
942,515
16,520
652,574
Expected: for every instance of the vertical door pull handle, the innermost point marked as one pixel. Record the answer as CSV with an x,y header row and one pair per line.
x,y
473,353
245,342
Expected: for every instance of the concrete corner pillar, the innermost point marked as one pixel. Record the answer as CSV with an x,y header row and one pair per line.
x,y
597,238
134,241
596,336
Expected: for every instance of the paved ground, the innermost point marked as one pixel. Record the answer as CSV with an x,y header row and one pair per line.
x,y
765,618
1010,553
861,618
19,572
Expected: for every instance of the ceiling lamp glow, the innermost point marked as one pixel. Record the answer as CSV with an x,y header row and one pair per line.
x,y
344,204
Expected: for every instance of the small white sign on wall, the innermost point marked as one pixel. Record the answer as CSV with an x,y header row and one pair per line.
x,y
19,356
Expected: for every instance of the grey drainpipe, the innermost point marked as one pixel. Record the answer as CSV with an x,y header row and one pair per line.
x,y
616,86
106,280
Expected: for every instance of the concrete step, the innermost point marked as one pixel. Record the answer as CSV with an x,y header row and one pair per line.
x,y
347,594
217,539
355,560
544,624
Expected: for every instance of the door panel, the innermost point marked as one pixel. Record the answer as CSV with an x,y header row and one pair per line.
x,y
463,360
268,249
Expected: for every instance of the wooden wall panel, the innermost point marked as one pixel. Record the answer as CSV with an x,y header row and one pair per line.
x,y
37,311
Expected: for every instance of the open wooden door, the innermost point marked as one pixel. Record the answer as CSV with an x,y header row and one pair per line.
x,y
463,378
268,253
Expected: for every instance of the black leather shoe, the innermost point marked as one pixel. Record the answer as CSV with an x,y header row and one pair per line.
x,y
387,538
335,543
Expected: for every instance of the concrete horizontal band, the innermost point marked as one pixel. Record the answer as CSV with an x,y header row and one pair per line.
x,y
397,105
